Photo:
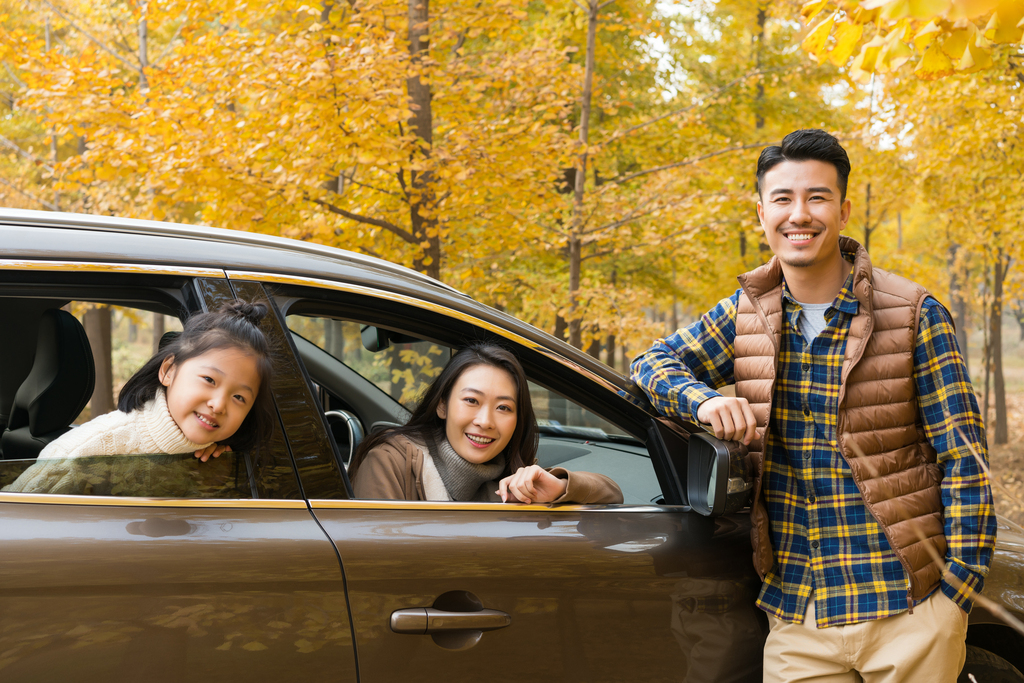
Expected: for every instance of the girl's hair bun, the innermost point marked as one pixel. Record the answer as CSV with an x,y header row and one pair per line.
x,y
251,312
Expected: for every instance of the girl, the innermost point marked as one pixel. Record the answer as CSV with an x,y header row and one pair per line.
x,y
474,426
206,391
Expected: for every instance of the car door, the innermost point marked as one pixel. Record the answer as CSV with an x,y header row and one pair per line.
x,y
226,577
444,591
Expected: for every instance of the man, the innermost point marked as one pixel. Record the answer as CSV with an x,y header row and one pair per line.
x,y
872,519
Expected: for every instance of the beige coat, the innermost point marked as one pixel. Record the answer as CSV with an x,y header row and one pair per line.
x,y
395,471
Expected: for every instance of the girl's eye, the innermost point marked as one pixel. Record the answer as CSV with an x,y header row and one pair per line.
x,y
240,398
208,379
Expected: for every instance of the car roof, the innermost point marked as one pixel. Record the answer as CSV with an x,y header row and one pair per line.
x,y
57,236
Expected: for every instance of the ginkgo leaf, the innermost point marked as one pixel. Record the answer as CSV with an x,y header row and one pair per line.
x,y
1004,26
934,64
847,36
868,55
926,35
894,55
955,44
975,58
812,8
969,9
814,43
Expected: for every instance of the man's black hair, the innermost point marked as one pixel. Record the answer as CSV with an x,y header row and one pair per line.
x,y
809,144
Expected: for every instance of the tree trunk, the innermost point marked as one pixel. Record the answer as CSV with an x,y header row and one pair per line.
x,y
158,330
97,329
867,219
987,328
575,246
996,342
594,348
611,352
422,198
957,302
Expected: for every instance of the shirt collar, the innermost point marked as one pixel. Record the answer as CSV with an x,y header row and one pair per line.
x,y
844,302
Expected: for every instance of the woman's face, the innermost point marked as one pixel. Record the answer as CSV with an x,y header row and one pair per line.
x,y
480,414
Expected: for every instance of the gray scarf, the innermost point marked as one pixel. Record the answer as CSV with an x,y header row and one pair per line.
x,y
462,478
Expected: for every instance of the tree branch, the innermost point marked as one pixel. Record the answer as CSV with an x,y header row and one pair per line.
x,y
390,227
103,46
48,205
677,164
621,134
17,149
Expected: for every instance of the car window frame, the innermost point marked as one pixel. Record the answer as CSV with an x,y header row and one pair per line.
x,y
83,280
298,295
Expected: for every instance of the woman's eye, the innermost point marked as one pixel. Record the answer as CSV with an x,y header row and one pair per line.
x,y
507,409
470,401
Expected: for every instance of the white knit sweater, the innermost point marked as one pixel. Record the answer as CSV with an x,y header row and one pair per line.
x,y
150,429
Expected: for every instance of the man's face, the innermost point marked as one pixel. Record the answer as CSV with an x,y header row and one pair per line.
x,y
802,214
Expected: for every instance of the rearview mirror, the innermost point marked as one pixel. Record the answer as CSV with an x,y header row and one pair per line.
x,y
719,476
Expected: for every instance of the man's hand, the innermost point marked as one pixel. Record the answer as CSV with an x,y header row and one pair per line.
x,y
731,418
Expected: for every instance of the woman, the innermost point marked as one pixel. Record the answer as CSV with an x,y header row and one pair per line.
x,y
474,427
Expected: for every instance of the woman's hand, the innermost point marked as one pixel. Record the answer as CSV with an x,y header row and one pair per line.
x,y
212,451
531,484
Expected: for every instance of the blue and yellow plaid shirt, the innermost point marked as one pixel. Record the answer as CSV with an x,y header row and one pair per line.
x,y
826,542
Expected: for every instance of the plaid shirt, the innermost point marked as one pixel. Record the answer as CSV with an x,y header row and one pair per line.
x,y
808,488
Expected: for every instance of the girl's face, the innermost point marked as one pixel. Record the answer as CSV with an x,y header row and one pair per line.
x,y
210,395
480,414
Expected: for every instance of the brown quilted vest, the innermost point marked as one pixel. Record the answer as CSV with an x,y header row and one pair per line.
x,y
878,429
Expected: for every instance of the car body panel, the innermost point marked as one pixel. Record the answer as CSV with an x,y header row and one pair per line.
x,y
592,593
94,591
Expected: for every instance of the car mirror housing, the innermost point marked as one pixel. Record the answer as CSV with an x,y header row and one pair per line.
x,y
719,478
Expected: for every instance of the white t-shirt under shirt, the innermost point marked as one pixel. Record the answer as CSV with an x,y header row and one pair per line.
x,y
812,320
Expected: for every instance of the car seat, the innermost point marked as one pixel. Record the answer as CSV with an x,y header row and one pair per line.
x,y
56,389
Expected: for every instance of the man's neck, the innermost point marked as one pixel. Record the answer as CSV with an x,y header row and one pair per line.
x,y
817,285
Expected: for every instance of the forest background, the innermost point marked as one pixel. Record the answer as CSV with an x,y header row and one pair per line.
x,y
585,165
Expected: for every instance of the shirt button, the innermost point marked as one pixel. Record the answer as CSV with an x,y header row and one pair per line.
x,y
811,500
807,412
805,367
814,544
807,455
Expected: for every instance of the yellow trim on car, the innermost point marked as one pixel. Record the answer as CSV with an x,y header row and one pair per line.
x,y
438,505
419,303
108,501
92,266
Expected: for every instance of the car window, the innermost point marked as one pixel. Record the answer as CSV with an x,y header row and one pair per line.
x,y
570,435
399,365
45,395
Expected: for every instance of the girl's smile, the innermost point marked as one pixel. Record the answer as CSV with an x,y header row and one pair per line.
x,y
480,414
210,395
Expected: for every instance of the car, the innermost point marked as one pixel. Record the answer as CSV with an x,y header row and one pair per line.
x,y
261,566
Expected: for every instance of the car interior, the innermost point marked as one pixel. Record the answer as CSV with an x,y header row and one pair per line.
x,y
369,382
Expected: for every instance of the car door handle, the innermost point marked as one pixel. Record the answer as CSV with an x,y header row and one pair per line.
x,y
424,620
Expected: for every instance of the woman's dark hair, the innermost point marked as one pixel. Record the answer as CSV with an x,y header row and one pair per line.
x,y
235,325
521,450
810,144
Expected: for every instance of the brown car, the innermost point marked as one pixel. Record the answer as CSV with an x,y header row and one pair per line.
x,y
260,566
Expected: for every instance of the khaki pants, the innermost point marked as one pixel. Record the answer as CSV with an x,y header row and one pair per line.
x,y
926,646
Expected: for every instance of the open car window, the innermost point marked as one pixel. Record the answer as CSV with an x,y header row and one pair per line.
x,y
65,360
395,368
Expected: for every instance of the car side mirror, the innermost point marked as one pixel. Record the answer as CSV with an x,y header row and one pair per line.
x,y
719,475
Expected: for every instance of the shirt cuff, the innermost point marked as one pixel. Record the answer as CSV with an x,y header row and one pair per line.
x,y
960,585
696,396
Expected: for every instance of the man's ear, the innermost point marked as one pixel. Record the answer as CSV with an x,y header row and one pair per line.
x,y
760,213
166,372
844,214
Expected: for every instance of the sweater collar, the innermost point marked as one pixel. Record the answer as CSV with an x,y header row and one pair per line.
x,y
162,429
